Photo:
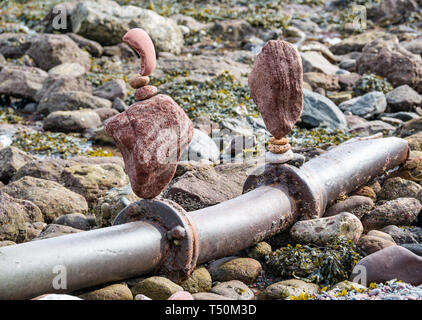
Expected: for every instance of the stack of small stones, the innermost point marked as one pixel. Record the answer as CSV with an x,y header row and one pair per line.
x,y
280,151
143,90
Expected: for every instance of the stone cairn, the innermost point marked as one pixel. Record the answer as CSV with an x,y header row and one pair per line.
x,y
276,88
153,132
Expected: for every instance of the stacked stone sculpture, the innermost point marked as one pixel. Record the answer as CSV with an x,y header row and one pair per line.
x,y
153,132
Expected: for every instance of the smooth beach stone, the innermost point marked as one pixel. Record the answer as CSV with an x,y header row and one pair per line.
x,y
139,40
151,136
277,149
146,92
138,81
280,157
276,86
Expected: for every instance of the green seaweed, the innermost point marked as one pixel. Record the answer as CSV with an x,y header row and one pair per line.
x,y
371,82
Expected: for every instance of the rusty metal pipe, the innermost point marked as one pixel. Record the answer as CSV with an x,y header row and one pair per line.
x,y
238,223
173,241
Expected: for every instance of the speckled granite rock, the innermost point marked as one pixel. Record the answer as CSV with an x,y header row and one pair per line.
x,y
319,231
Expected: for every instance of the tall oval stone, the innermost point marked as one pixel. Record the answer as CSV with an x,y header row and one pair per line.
x,y
276,86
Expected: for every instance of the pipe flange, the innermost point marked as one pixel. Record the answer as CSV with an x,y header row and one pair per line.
x,y
301,187
182,246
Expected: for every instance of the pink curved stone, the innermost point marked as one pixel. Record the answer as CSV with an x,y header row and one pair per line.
x,y
151,135
276,86
145,92
140,41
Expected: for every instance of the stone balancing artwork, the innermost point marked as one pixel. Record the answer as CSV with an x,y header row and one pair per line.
x,y
276,88
154,131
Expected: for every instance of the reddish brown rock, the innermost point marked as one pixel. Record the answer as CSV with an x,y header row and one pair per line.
x,y
371,244
139,40
151,135
145,92
276,86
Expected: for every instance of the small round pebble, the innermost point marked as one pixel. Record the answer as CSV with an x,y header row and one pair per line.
x,y
146,92
274,148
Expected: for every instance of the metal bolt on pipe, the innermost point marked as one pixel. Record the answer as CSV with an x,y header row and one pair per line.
x,y
159,236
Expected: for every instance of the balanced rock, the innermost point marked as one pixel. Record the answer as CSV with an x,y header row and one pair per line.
x,y
145,92
139,40
400,211
394,262
276,86
181,295
151,135
357,205
371,243
319,231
